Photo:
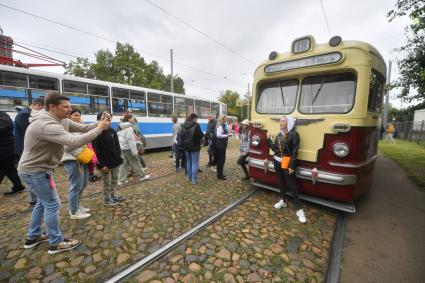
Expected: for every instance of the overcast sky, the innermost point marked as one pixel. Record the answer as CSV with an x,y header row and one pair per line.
x,y
250,28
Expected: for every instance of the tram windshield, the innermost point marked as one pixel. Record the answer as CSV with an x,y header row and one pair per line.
x,y
277,97
328,94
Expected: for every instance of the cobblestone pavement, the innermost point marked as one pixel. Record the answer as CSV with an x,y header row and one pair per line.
x,y
252,243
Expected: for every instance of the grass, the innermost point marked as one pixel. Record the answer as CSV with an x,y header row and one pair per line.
x,y
410,156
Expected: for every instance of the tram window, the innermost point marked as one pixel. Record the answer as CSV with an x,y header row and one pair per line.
x,y
73,86
215,109
98,90
119,105
376,89
183,106
120,92
202,108
137,102
277,97
13,79
37,82
8,94
82,102
328,94
99,104
160,105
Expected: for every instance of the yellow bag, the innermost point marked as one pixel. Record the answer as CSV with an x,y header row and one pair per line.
x,y
284,164
85,155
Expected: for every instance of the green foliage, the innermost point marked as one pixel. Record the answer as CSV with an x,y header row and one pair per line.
x,y
230,97
408,155
412,64
125,66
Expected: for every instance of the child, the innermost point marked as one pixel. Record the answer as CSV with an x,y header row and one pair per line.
x,y
108,153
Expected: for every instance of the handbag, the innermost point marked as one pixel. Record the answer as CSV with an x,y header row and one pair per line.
x,y
140,149
85,155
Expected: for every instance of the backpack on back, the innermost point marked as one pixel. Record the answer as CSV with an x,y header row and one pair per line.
x,y
186,136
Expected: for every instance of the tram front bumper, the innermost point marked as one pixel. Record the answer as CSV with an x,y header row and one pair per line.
x,y
313,175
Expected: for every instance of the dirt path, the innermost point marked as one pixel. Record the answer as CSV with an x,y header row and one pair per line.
x,y
385,239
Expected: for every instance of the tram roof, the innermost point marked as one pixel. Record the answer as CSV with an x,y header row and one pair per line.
x,y
324,48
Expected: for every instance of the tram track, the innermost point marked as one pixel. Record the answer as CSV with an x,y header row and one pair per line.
x,y
159,253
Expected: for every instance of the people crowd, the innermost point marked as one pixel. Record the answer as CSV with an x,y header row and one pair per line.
x,y
51,132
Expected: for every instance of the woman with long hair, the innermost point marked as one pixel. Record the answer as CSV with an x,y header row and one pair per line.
x,y
244,147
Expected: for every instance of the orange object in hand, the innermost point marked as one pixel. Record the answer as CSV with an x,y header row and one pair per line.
x,y
284,164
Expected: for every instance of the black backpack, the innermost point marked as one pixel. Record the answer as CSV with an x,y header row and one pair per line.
x,y
187,141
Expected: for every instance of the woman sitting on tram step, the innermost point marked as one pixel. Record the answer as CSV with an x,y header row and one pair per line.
x,y
285,147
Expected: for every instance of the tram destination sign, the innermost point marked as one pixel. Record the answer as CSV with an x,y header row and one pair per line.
x,y
316,60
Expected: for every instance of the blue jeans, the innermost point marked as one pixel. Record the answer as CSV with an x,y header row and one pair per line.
x,y
47,206
192,165
78,175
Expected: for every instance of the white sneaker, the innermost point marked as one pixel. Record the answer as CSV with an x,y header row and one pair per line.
x,y
84,209
301,216
280,204
213,169
80,215
145,178
122,183
145,168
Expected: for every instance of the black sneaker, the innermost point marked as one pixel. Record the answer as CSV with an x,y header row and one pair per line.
x,y
65,245
110,201
32,243
118,198
245,178
33,203
14,191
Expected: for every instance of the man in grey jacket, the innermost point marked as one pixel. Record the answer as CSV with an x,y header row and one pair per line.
x,y
44,143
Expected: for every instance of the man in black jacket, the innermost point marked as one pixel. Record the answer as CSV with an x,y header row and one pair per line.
x,y
210,135
7,164
108,154
191,136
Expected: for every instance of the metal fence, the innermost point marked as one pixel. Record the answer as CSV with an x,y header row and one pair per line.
x,y
413,131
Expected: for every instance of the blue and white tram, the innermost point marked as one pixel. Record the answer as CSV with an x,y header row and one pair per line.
x,y
152,108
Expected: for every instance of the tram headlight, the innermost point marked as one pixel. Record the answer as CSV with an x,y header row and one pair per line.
x,y
341,149
255,140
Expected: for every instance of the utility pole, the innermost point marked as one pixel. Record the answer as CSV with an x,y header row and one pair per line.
x,y
247,98
387,95
172,75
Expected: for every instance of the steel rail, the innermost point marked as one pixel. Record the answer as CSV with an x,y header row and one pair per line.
x,y
174,243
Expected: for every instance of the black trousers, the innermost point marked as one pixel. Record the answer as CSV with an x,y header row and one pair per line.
x,y
7,168
180,159
286,182
242,162
211,152
220,158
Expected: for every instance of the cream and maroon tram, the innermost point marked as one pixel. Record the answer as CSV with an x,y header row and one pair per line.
x,y
335,92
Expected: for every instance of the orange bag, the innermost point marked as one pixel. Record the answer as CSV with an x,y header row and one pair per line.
x,y
284,164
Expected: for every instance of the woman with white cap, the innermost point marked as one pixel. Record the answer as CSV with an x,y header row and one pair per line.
x,y
285,147
244,147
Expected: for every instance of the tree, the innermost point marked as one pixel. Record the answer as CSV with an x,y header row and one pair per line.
x,y
412,65
125,66
81,67
229,98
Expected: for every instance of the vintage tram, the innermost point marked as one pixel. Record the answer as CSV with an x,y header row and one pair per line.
x,y
335,92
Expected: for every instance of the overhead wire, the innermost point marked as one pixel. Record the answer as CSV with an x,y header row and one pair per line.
x,y
203,33
114,41
326,18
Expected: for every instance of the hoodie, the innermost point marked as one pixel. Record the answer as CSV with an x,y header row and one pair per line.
x,y
191,135
286,144
46,137
127,138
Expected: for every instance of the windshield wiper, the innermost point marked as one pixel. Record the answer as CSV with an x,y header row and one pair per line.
x,y
281,93
318,91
